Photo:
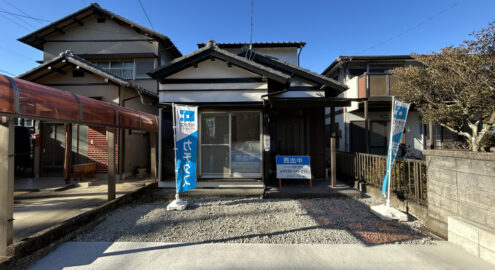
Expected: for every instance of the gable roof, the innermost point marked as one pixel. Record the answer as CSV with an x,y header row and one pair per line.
x,y
278,44
212,50
36,38
70,57
292,69
365,58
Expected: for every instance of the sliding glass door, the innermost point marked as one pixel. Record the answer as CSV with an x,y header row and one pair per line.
x,y
230,144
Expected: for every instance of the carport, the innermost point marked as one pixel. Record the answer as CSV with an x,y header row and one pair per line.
x,y
23,99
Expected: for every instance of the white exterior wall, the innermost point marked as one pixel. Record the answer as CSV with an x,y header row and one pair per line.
x,y
80,39
202,92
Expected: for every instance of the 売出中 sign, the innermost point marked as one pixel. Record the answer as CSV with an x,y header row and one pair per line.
x,y
293,167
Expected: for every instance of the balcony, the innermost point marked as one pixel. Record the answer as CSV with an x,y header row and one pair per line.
x,y
376,85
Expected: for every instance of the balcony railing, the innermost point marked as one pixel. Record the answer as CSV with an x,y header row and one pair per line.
x,y
408,175
376,85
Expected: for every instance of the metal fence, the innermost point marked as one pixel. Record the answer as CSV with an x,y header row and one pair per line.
x,y
408,175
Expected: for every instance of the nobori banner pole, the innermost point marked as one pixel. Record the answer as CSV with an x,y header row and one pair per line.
x,y
160,126
389,168
174,126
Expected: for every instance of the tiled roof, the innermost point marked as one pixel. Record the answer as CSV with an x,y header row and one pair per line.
x,y
212,50
296,44
76,60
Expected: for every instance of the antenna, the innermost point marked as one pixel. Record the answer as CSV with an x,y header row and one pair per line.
x,y
251,37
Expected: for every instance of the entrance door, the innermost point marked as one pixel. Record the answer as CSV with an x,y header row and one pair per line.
x,y
52,149
290,134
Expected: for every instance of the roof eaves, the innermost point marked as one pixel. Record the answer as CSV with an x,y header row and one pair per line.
x,y
297,70
212,50
98,9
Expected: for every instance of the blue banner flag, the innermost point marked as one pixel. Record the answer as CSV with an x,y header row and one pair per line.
x,y
186,142
399,117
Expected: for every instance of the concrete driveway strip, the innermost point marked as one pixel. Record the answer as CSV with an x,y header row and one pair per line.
x,y
156,255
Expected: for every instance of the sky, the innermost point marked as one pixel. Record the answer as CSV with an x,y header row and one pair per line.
x,y
330,28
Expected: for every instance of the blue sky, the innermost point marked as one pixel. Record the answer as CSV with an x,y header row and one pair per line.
x,y
330,28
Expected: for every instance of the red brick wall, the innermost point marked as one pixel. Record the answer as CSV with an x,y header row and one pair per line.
x,y
98,148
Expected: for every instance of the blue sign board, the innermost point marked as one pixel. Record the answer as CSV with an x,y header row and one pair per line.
x,y
293,167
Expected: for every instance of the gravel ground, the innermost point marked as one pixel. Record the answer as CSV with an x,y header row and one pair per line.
x,y
276,221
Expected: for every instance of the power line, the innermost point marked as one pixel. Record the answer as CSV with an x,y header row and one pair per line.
x,y
17,53
146,14
18,9
6,72
412,27
15,22
24,16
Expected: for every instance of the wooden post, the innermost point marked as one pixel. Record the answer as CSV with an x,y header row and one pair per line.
x,y
366,127
153,142
111,162
333,135
68,151
7,130
120,151
432,137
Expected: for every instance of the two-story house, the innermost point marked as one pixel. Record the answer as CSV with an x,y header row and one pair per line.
x,y
365,126
99,54
255,102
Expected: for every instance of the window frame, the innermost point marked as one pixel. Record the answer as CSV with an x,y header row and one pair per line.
x,y
230,174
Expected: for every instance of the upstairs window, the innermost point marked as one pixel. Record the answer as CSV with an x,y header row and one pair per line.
x,y
128,69
143,66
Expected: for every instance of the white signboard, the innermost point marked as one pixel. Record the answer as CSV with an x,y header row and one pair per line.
x,y
293,167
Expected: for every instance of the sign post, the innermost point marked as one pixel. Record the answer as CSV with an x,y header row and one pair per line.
x,y
398,122
185,125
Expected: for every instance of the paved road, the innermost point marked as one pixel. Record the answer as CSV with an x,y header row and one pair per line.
x,y
36,211
146,255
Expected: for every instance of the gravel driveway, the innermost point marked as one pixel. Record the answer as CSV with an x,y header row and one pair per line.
x,y
330,221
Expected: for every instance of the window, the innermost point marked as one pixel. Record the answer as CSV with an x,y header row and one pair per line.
x,y
230,144
100,20
128,69
143,66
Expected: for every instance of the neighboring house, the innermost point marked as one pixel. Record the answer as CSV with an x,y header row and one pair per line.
x,y
255,103
370,77
96,53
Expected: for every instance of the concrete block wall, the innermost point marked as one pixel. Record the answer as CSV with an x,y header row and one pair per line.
x,y
461,184
477,240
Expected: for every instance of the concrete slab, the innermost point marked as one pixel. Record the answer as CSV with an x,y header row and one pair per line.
x,y
321,189
156,255
36,211
388,213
